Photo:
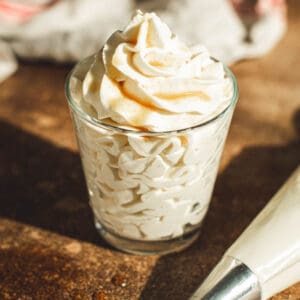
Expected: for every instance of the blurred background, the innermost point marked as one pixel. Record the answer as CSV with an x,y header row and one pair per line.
x,y
69,30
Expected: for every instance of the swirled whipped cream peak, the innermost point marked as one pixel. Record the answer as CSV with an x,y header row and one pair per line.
x,y
145,78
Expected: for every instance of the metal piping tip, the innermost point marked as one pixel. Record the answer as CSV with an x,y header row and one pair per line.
x,y
230,280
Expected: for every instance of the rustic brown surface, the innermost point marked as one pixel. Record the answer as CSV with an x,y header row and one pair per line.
x,y
49,248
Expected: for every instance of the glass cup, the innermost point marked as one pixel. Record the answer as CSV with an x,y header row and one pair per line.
x,y
149,191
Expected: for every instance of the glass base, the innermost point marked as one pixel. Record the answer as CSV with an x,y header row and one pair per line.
x,y
147,247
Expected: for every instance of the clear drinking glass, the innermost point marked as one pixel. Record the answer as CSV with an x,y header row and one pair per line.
x,y
149,192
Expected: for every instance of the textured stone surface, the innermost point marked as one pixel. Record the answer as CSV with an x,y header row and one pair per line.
x,y
49,248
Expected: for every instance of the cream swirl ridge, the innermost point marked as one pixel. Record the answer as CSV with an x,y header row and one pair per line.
x,y
145,77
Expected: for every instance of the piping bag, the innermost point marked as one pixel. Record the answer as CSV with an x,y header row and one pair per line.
x,y
265,259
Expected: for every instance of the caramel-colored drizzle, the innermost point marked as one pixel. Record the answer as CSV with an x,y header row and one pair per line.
x,y
183,140
94,86
156,63
131,96
137,119
179,96
148,37
144,111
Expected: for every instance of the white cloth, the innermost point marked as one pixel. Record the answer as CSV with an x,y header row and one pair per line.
x,y
73,29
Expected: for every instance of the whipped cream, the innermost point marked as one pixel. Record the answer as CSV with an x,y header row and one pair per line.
x,y
150,186
146,78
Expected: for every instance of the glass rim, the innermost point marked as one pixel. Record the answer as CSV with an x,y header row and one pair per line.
x,y
96,122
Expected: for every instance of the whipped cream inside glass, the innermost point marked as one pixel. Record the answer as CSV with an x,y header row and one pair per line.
x,y
151,117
